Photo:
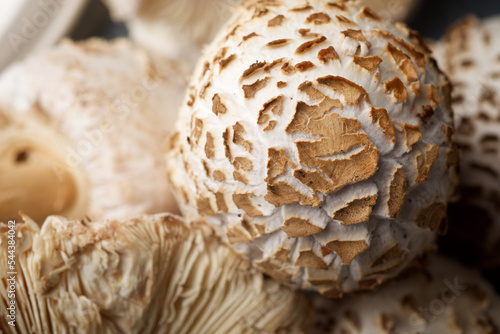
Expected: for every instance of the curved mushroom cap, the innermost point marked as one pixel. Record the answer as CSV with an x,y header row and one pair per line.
x,y
179,29
470,54
82,131
445,297
321,136
151,274
393,10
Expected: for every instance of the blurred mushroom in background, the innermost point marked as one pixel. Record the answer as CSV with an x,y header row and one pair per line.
x,y
438,297
470,55
82,131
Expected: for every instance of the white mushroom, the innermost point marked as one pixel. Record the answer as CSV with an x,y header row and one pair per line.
x,y
82,131
443,297
470,54
151,274
319,139
179,29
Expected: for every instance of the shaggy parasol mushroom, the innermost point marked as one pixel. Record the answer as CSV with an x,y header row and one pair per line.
x,y
82,131
444,297
320,137
179,29
470,55
151,274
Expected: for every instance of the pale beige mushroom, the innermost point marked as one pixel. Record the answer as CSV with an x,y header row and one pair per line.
x,y
470,54
150,274
82,131
443,297
179,29
319,140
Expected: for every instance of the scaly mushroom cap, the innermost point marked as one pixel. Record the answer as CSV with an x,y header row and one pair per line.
x,y
443,298
320,139
180,28
82,131
151,274
470,54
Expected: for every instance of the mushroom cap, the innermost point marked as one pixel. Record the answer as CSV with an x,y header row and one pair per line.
x,y
318,139
470,54
444,297
107,109
179,29
150,274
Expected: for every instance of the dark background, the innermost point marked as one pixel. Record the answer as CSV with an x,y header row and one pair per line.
x,y
430,19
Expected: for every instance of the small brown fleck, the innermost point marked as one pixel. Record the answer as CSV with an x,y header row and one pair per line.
x,y
243,201
239,176
357,35
276,21
328,54
247,37
287,69
275,105
397,88
243,163
368,63
219,176
224,62
204,206
426,114
281,84
221,202
227,149
381,117
307,45
217,106
297,228
351,91
252,69
209,146
270,126
251,90
357,211
304,66
345,20
318,18
397,193
308,259
301,9
367,13
239,139
278,43
276,62
347,250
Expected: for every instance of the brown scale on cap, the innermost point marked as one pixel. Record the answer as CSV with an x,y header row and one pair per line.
x,y
338,144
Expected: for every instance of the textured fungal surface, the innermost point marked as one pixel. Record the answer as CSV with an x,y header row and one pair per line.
x,y
443,297
319,138
470,55
82,131
151,274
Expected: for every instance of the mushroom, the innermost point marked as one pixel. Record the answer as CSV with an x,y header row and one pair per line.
x,y
444,297
149,274
470,55
179,29
82,130
319,139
